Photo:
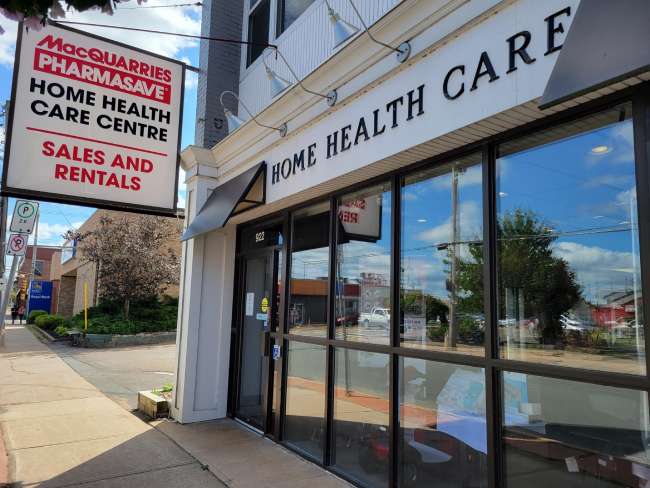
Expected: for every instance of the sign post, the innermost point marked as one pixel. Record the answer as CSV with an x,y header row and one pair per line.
x,y
24,216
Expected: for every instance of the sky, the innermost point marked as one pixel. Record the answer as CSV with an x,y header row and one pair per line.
x,y
55,219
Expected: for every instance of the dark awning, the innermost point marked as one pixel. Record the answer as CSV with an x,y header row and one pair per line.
x,y
243,192
607,43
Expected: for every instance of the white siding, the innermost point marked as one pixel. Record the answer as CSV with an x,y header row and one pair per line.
x,y
306,44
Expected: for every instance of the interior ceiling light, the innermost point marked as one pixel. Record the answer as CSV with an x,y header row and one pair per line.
x,y
344,30
602,149
279,83
235,122
422,221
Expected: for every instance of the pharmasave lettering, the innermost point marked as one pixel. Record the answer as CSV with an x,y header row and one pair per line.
x,y
102,68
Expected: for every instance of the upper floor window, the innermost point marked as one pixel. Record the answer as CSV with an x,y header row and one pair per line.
x,y
258,29
289,11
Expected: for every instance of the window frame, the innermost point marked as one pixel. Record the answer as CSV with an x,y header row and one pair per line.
x,y
493,365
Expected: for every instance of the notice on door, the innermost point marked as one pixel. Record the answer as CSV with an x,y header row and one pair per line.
x,y
250,301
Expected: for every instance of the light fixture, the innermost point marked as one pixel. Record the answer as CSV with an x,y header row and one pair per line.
x,y
344,30
503,194
331,96
422,221
602,149
278,83
235,122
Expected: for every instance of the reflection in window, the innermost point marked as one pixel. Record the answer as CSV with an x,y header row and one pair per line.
x,y
565,433
569,279
309,271
289,11
304,423
361,442
442,258
363,266
443,435
258,30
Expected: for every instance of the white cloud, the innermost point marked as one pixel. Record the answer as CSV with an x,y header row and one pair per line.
x,y
470,218
7,41
599,270
50,234
186,20
191,77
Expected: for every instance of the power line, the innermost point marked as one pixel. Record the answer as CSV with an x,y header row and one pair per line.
x,y
166,33
197,4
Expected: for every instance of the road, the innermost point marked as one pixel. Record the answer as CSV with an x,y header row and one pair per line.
x,y
120,373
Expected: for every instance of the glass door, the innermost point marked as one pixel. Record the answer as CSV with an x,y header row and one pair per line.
x,y
256,319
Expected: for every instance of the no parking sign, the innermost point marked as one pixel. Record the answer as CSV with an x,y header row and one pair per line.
x,y
17,244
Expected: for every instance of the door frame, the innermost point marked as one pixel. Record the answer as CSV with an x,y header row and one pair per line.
x,y
236,346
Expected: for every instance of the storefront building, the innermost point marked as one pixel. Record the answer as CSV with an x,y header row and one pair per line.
x,y
437,280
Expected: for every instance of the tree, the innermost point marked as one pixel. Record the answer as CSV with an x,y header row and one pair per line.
x,y
132,256
34,12
527,268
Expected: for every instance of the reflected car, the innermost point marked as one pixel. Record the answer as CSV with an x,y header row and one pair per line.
x,y
428,456
574,325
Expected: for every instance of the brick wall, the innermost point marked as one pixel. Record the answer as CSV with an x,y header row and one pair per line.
x,y
219,63
65,305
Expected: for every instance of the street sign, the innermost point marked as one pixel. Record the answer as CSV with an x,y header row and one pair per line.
x,y
25,213
17,244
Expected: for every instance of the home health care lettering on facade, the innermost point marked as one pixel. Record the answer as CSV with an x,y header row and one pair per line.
x,y
94,121
487,70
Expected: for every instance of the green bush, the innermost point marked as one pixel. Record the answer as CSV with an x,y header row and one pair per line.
x,y
33,314
50,322
61,330
152,315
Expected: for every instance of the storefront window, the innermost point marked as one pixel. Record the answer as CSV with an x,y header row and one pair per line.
x,y
565,433
289,11
568,249
304,424
309,287
361,441
443,434
442,258
363,305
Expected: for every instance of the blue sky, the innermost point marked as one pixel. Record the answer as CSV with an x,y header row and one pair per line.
x,y
57,218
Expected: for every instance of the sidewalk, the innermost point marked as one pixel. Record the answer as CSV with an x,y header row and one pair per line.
x,y
59,430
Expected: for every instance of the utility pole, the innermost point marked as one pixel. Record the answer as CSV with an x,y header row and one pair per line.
x,y
452,333
33,263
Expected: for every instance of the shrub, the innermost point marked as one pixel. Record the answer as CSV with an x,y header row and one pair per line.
x,y
33,314
151,315
50,322
61,330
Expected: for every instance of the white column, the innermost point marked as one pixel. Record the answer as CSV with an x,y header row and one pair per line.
x,y
205,304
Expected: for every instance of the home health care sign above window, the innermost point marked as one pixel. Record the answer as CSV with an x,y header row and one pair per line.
x,y
93,122
501,63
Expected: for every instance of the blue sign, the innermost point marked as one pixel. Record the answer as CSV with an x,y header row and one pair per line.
x,y
40,296
276,352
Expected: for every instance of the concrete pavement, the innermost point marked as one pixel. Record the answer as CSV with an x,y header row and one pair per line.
x,y
122,372
59,430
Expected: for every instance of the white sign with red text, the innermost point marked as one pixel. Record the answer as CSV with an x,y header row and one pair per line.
x,y
93,122
361,217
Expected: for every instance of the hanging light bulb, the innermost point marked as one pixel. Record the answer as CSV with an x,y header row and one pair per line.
x,y
232,120
341,29
235,122
330,97
344,30
278,83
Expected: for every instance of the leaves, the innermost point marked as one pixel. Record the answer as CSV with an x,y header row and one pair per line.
x,y
133,255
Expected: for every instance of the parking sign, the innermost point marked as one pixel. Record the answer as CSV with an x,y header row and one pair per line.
x,y
24,217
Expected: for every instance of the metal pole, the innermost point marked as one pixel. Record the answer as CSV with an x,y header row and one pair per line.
x,y
33,263
452,333
8,288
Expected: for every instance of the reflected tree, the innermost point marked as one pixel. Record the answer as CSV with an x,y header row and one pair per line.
x,y
542,285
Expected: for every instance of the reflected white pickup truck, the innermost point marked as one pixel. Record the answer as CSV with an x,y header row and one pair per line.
x,y
378,317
